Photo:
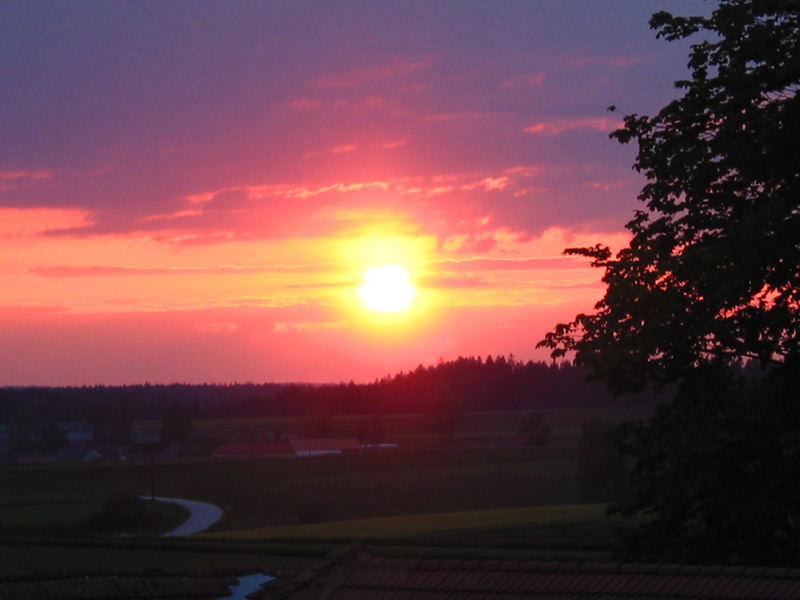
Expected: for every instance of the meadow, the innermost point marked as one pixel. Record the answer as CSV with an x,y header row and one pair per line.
x,y
438,499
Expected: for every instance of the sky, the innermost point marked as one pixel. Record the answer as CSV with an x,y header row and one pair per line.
x,y
192,191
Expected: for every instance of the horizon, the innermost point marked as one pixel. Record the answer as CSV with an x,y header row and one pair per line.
x,y
198,191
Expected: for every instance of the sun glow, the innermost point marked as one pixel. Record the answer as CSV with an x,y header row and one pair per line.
x,y
387,288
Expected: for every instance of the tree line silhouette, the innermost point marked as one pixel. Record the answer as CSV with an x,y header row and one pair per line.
x,y
470,383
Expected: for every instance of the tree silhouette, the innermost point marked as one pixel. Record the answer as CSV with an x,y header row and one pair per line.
x,y
709,280
711,271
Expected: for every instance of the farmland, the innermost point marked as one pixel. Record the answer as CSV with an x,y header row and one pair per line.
x,y
332,499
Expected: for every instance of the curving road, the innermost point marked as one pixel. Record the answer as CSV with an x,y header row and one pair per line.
x,y
202,515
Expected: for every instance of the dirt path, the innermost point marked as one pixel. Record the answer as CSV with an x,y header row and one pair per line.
x,y
202,515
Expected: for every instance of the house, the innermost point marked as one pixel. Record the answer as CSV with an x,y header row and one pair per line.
x,y
146,442
243,449
179,449
355,573
77,433
113,452
315,446
297,447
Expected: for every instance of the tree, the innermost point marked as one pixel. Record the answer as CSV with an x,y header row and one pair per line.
x,y
446,412
718,469
711,270
602,468
710,280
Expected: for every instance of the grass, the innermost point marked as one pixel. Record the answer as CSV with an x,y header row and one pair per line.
x,y
431,500
473,522
293,491
412,427
68,517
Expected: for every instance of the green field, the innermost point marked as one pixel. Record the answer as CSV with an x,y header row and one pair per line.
x,y
291,491
416,428
469,499
419,525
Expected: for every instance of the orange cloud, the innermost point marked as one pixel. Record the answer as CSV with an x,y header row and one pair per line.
x,y
218,328
117,271
30,221
503,264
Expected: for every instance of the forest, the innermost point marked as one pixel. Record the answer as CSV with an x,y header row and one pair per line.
x,y
472,383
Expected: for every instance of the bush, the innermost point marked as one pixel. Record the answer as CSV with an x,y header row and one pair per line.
x,y
120,511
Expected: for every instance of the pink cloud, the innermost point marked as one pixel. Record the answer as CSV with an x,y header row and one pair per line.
x,y
24,176
606,186
267,344
398,69
611,61
503,264
30,221
558,126
119,271
217,328
463,115
449,282
469,205
344,149
525,80
307,326
305,104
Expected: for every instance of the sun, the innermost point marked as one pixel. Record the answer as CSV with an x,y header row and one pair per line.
x,y
387,288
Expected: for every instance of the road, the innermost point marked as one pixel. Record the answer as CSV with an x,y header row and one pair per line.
x,y
202,515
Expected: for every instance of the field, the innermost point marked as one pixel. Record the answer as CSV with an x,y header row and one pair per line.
x,y
416,428
438,525
475,496
289,491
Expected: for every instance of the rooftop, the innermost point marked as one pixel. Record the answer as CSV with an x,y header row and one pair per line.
x,y
359,575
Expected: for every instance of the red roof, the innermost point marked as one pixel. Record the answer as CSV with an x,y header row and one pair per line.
x,y
254,449
326,444
357,575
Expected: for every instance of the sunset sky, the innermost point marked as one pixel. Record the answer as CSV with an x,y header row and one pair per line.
x,y
192,191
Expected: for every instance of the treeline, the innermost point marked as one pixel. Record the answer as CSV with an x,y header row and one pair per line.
x,y
472,383
137,402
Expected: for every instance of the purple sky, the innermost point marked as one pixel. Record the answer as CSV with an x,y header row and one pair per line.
x,y
137,138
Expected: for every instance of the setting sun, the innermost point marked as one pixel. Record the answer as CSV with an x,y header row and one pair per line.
x,y
387,288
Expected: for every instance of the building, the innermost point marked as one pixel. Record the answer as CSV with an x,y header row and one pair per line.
x,y
356,574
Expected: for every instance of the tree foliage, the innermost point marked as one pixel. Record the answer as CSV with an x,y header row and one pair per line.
x,y
602,469
711,272
711,280
718,469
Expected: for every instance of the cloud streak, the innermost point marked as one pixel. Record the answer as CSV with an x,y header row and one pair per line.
x,y
559,126
119,271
